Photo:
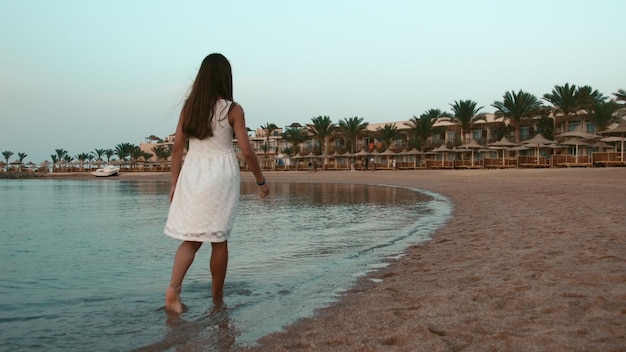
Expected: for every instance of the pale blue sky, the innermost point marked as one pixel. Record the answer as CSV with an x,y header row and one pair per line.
x,y
82,74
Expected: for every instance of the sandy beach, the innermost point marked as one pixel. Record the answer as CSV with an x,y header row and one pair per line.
x,y
532,260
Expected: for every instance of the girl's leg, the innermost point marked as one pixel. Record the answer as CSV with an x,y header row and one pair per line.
x,y
182,261
219,262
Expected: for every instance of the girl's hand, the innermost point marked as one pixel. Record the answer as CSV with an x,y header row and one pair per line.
x,y
265,190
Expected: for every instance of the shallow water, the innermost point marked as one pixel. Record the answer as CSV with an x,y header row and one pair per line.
x,y
85,263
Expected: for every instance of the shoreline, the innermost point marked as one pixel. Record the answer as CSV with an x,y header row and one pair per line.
x,y
532,259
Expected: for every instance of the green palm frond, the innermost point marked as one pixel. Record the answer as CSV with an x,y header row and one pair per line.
x,y
465,113
516,107
352,128
321,128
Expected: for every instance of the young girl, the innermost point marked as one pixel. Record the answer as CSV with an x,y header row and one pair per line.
x,y
205,190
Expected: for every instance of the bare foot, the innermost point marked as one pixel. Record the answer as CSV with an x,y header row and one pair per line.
x,y
172,301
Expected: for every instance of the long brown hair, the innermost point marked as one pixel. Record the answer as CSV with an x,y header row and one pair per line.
x,y
214,80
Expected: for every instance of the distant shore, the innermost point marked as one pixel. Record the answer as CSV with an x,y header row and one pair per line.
x,y
532,259
121,176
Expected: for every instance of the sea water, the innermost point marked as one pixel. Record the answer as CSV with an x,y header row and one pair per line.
x,y
84,263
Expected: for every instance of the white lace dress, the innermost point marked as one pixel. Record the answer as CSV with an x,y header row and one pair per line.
x,y
207,192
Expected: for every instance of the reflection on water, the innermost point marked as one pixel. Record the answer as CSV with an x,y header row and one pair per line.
x,y
213,331
341,194
85,263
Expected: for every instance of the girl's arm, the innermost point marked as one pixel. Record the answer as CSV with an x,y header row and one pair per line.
x,y
177,154
237,120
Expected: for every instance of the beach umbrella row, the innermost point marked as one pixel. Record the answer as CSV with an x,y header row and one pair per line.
x,y
577,138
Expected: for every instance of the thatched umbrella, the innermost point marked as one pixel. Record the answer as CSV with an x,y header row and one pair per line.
x,y
443,149
613,140
388,153
472,145
620,131
414,152
579,133
503,144
574,141
538,141
30,165
602,145
18,164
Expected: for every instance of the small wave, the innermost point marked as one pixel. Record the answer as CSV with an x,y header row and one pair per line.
x,y
28,318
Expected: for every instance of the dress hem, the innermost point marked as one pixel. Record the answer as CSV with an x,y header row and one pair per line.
x,y
194,239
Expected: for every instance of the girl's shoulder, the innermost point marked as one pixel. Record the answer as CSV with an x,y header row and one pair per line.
x,y
235,107
235,112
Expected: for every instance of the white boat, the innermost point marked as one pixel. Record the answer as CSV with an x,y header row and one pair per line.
x,y
108,170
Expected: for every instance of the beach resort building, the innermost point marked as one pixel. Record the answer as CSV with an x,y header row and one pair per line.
x,y
490,141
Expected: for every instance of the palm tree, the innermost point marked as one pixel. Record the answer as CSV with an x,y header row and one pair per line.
x,y
295,136
269,129
516,107
135,152
98,153
620,95
109,153
265,148
565,103
604,114
288,151
321,128
81,157
7,154
422,128
588,96
545,125
68,159
123,150
465,114
61,153
146,155
352,128
90,158
20,158
54,159
388,133
161,152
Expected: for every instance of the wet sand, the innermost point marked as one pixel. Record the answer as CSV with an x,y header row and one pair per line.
x,y
532,260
